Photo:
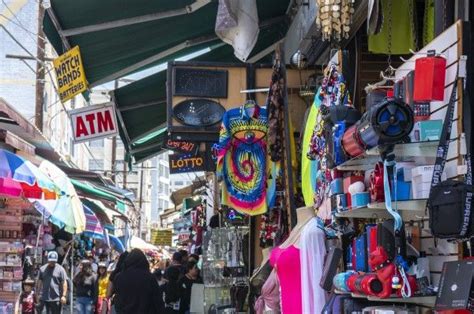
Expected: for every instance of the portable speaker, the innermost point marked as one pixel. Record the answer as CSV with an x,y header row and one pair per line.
x,y
330,268
340,114
388,122
386,239
351,142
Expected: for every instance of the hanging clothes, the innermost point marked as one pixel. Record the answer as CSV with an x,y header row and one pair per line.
x,y
269,298
428,22
287,264
309,167
275,107
242,160
312,252
398,29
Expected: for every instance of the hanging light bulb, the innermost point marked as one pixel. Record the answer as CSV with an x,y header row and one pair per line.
x,y
299,60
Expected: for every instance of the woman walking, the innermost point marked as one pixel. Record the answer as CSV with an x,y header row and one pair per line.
x,y
136,288
102,283
119,267
85,288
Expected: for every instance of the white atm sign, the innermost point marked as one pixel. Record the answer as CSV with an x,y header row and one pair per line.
x,y
93,122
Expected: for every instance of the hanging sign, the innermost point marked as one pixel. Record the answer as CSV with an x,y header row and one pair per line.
x,y
161,237
198,112
181,163
184,147
93,122
70,75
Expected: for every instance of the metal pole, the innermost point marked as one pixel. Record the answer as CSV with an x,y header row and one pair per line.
x,y
72,276
113,158
40,69
140,202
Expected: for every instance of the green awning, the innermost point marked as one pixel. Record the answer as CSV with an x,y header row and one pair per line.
x,y
95,192
141,105
119,37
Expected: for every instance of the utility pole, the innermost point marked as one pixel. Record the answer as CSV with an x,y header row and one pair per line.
x,y
114,145
39,99
140,202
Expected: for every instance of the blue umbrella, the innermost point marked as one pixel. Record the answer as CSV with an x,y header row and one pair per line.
x,y
14,167
116,243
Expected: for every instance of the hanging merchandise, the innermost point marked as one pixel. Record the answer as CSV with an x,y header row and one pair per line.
x,y
242,160
335,18
309,166
275,103
376,187
430,73
386,123
374,17
450,201
398,34
428,22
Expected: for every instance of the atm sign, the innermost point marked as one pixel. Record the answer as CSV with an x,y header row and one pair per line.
x,y
93,122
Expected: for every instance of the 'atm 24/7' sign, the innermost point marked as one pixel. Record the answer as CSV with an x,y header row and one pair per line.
x,y
93,122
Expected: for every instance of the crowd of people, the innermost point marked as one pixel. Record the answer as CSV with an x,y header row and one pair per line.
x,y
129,285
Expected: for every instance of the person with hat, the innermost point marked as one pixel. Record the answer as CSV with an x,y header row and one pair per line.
x,y
102,284
52,286
85,285
27,297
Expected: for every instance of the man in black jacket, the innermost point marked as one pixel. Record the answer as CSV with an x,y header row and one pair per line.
x,y
136,288
185,284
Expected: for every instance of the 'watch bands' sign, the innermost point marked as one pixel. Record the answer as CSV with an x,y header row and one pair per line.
x,y
181,163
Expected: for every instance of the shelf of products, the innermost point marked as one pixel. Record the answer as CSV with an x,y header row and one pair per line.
x,y
408,209
403,152
428,301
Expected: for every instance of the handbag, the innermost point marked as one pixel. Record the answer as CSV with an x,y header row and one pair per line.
x,y
450,202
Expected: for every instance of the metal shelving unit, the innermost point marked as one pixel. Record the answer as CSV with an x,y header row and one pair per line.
x,y
410,210
403,152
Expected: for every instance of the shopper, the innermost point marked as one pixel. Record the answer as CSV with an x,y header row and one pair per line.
x,y
176,263
85,285
184,256
185,283
52,286
160,295
193,258
91,259
172,290
119,267
135,287
27,298
102,283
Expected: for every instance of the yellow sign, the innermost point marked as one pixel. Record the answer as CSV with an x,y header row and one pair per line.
x,y
70,74
161,237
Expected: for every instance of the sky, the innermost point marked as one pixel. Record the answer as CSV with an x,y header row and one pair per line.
x,y
17,81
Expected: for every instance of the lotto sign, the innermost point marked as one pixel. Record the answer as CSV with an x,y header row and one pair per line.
x,y
93,122
70,74
181,163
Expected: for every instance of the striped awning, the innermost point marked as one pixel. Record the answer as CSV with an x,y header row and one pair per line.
x,y
93,227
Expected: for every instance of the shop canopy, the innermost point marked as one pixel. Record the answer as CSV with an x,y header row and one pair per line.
x,y
141,105
93,191
117,38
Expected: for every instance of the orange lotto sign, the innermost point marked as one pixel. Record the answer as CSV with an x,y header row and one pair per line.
x,y
93,122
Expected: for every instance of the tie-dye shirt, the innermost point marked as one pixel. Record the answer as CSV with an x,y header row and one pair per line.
x,y
243,160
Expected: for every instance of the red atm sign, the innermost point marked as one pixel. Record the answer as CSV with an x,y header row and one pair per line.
x,y
93,122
